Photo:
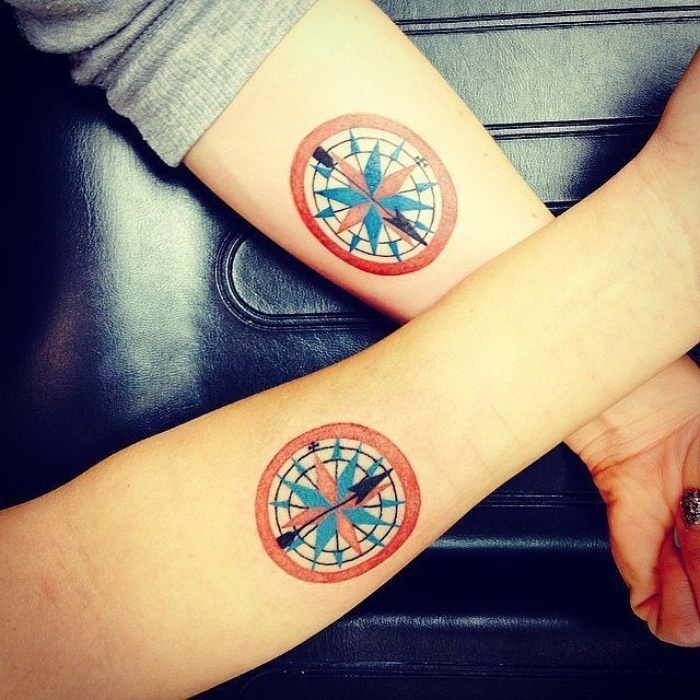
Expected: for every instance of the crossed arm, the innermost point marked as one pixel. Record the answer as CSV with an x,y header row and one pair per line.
x,y
158,572
466,204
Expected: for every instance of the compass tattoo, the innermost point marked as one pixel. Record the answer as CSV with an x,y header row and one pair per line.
x,y
374,193
335,502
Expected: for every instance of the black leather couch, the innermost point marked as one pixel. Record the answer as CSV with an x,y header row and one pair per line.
x,y
134,300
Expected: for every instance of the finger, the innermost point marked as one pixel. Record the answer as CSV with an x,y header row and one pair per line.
x,y
677,618
640,518
688,534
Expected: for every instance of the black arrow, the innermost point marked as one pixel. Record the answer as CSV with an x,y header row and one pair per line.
x,y
359,491
363,487
324,157
397,219
403,224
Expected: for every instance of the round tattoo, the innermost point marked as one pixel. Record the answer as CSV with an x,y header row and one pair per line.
x,y
374,193
335,502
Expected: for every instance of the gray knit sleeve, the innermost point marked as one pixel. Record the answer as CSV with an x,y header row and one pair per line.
x,y
170,66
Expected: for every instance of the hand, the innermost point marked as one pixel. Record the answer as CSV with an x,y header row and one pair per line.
x,y
687,525
638,452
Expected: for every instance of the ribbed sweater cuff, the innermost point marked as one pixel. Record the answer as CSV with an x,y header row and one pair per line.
x,y
187,63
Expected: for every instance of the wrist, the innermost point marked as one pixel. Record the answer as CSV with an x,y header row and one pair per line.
x,y
642,419
670,165
671,171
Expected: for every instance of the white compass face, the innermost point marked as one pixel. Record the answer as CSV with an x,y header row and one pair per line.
x,y
336,502
374,194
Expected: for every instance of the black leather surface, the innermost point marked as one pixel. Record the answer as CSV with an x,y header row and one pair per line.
x,y
133,300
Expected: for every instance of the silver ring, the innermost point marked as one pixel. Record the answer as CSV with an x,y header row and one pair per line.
x,y
690,507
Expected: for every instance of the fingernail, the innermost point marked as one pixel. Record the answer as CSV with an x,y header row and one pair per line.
x,y
690,507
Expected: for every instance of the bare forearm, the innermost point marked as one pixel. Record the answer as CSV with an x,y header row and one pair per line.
x,y
248,154
159,573
168,528
478,205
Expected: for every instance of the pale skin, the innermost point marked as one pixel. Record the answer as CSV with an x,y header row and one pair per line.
x,y
497,210
117,566
642,453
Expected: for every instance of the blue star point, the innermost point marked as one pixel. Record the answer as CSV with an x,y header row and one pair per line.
x,y
372,201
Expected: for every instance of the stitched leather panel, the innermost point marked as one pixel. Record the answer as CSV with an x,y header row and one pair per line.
x,y
134,300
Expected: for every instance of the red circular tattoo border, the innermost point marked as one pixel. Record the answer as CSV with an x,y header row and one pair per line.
x,y
448,216
350,431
